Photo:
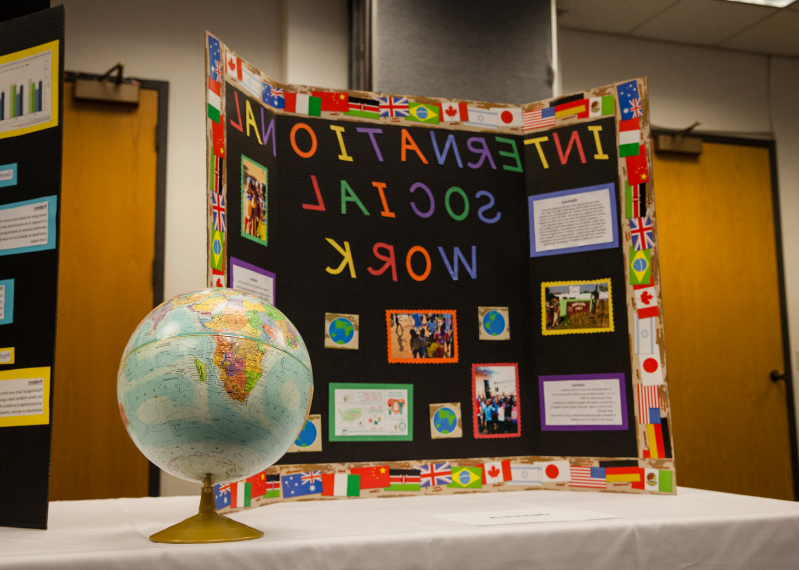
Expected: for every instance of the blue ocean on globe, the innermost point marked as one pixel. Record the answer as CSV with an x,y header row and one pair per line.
x,y
307,435
494,323
341,331
445,420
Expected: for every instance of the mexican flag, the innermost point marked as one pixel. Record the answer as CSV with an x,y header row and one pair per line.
x,y
341,485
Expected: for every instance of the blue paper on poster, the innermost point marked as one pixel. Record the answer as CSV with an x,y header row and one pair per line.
x,y
568,221
28,226
6,302
8,174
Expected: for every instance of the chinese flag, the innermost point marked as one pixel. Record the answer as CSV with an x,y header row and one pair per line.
x,y
257,484
333,101
637,169
375,477
218,134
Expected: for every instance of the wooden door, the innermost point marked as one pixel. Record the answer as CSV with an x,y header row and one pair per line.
x,y
722,317
105,289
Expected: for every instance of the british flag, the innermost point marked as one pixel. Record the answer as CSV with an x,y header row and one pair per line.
x,y
311,477
642,234
218,208
436,474
635,108
394,106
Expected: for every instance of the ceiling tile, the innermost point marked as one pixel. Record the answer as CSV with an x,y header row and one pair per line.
x,y
778,34
706,22
611,16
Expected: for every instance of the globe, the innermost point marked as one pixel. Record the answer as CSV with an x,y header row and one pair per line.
x,y
307,435
214,382
445,420
341,331
494,323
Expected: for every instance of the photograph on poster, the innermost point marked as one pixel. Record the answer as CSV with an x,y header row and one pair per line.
x,y
422,337
569,307
497,409
253,200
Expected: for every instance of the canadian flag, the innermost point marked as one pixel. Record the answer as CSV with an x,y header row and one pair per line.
x,y
232,65
509,117
218,278
651,368
554,471
496,472
452,112
646,301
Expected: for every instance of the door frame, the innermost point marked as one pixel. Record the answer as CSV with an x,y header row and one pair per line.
x,y
769,144
162,87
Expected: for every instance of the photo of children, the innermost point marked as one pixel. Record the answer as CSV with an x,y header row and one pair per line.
x,y
253,200
576,307
497,411
423,337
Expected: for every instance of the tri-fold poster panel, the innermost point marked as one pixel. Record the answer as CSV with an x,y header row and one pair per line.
x,y
31,88
477,284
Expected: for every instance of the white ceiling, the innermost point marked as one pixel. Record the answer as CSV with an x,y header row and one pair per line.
x,y
719,23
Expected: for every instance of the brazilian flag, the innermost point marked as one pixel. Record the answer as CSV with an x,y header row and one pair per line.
x,y
423,113
466,478
640,267
216,251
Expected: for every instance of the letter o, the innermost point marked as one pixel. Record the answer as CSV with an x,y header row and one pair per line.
x,y
293,138
465,204
423,251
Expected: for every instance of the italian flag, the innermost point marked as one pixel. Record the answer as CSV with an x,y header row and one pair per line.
x,y
341,485
629,137
303,104
214,100
241,495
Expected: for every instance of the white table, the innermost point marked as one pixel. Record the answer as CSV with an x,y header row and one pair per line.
x,y
696,529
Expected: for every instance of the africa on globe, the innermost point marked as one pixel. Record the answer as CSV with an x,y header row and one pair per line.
x,y
214,382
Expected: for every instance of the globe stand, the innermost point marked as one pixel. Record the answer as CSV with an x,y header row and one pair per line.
x,y
207,525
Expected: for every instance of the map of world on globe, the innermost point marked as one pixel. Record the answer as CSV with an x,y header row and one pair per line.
x,y
341,331
494,323
445,420
214,382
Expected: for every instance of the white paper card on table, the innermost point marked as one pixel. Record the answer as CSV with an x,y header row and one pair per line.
x,y
533,514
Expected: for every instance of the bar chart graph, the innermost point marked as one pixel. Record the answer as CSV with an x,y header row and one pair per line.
x,y
26,91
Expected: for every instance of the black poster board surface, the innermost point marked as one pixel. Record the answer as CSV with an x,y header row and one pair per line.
x,y
384,215
31,96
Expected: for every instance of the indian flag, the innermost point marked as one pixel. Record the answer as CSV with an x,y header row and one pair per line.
x,y
242,495
303,104
341,485
629,137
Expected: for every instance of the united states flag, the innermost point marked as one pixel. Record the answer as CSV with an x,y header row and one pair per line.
x,y
587,477
436,474
218,207
539,118
648,397
394,106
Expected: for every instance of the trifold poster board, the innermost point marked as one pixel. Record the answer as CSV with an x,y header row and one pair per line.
x,y
31,89
477,284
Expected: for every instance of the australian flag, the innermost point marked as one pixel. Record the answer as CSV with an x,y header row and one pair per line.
x,y
301,484
273,96
222,496
629,100
214,58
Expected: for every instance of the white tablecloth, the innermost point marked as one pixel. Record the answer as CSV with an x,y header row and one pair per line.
x,y
695,529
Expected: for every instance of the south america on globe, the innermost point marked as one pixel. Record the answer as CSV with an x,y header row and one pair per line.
x,y
214,382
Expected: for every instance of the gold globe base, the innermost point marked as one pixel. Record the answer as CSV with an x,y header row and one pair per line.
x,y
206,526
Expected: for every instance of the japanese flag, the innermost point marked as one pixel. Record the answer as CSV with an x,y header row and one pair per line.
x,y
554,471
651,368
509,117
232,65
496,472
452,112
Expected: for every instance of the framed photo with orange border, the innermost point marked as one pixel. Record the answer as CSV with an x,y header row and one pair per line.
x,y
496,405
422,336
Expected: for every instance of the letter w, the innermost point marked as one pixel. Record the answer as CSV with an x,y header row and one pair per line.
x,y
457,255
